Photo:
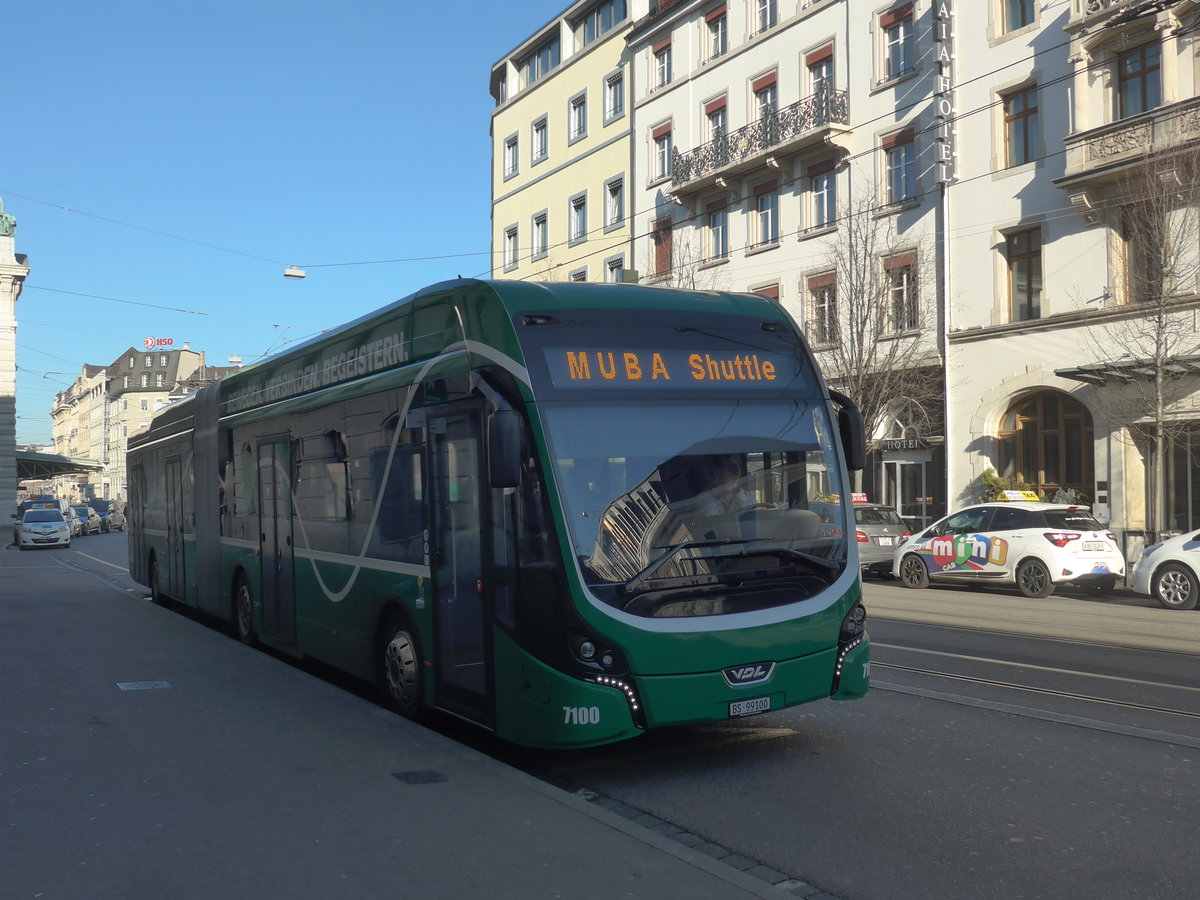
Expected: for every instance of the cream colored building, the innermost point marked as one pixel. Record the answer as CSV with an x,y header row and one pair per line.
x,y
999,143
561,168
14,267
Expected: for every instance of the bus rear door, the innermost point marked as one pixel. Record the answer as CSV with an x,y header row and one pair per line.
x,y
176,582
458,571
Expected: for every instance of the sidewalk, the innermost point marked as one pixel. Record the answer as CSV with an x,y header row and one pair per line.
x,y
146,755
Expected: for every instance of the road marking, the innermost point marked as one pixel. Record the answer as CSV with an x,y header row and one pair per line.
x,y
103,561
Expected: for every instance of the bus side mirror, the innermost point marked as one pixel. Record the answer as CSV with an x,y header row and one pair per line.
x,y
504,448
854,439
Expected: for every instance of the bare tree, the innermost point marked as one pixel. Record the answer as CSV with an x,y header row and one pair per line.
x,y
675,258
1149,350
871,316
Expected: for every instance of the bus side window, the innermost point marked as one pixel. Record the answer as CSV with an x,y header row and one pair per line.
x,y
400,492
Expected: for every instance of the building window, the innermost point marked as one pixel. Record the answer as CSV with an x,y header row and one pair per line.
x,y
145,380
512,160
765,95
1021,131
542,61
512,250
578,274
160,379
903,311
715,114
661,137
578,219
822,188
614,97
1142,238
614,203
144,404
577,118
125,382
896,28
1024,254
766,14
822,292
541,235
1018,14
541,147
1045,441
599,20
662,63
614,269
717,23
900,162
149,360
162,360
662,237
132,362
717,228
819,65
766,215
1139,80
125,404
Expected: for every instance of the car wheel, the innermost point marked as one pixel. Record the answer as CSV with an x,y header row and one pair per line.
x,y
1033,579
1174,586
399,671
913,573
243,611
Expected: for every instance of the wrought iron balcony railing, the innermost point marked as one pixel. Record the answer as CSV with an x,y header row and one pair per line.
x,y
825,107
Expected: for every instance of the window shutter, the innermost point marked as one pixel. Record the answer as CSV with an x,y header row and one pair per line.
x,y
762,83
824,280
899,14
819,56
715,13
713,106
661,131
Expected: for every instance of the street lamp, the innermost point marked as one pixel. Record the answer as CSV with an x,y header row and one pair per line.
x,y
293,272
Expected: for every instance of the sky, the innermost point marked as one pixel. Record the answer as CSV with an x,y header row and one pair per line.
x,y
166,160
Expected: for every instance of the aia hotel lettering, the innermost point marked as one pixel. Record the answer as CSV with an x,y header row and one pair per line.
x,y
634,367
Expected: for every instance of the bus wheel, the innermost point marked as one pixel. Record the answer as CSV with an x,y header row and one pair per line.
x,y
243,611
156,593
400,671
913,573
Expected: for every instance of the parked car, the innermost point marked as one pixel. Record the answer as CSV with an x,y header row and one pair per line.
x,y
112,517
74,521
879,529
42,528
90,519
1032,545
1169,571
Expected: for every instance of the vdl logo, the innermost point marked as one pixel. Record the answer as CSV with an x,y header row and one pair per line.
x,y
751,674
152,343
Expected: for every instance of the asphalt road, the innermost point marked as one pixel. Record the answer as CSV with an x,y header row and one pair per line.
x,y
1009,747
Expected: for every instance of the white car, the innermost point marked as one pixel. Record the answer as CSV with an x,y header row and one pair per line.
x,y
43,528
1032,545
1170,571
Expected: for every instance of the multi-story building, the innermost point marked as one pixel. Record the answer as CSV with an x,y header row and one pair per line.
x,y
95,416
560,162
996,199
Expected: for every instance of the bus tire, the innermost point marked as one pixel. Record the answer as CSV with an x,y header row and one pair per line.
x,y
399,670
243,611
156,594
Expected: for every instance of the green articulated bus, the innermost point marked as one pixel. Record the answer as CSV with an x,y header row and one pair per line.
x,y
566,512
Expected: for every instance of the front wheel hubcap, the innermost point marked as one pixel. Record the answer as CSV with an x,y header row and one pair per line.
x,y
400,665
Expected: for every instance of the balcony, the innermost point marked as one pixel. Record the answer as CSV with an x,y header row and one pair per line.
x,y
1104,154
792,129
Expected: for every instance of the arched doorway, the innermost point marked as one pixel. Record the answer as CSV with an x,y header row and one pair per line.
x,y
1045,441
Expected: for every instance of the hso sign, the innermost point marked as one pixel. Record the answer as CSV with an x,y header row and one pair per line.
x,y
153,343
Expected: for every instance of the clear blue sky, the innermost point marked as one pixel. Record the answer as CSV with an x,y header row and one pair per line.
x,y
165,159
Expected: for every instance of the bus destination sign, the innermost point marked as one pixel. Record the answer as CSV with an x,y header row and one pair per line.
x,y
670,368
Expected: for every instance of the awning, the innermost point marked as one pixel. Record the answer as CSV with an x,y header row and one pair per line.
x,y
1126,371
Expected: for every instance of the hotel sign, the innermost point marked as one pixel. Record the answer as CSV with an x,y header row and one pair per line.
x,y
947,148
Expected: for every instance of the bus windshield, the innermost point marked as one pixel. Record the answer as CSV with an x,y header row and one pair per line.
x,y
680,507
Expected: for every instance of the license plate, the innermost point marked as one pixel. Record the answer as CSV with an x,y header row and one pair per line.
x,y
884,541
749,707
1095,545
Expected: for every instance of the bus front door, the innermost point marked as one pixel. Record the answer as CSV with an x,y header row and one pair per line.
x,y
275,508
457,565
176,585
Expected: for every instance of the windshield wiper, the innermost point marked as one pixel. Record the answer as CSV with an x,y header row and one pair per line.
x,y
647,574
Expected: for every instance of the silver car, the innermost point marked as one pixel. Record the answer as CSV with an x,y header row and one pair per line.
x,y
879,530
